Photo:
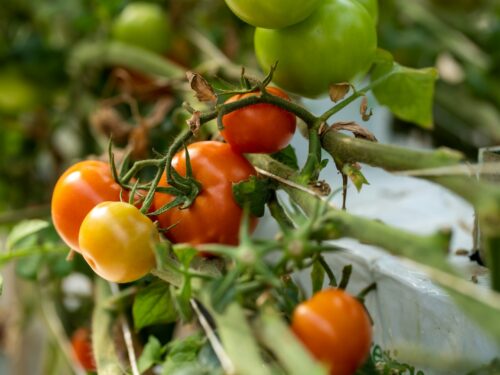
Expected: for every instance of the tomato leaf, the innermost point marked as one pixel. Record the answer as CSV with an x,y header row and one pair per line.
x,y
317,276
183,355
288,157
153,305
152,354
23,230
408,92
355,175
255,192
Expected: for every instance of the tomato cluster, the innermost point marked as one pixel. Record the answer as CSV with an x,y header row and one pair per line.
x,y
317,43
336,329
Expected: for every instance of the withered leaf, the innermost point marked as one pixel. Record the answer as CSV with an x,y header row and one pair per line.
x,y
338,91
363,109
354,128
204,92
194,122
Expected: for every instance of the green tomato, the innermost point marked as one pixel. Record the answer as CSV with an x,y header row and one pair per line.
x,y
371,6
17,94
143,25
272,14
335,44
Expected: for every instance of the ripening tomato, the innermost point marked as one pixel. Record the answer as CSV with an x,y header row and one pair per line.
x,y
79,189
336,329
117,241
335,44
82,348
214,216
272,14
144,25
259,128
371,6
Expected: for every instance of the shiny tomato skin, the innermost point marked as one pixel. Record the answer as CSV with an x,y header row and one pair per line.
x,y
371,6
117,241
336,329
272,14
82,349
143,25
335,44
79,189
214,216
259,128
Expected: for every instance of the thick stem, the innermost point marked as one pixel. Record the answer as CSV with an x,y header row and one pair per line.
x,y
120,54
431,249
389,157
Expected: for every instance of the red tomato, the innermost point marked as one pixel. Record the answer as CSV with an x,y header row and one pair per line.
x,y
117,241
336,329
259,128
82,348
214,216
78,190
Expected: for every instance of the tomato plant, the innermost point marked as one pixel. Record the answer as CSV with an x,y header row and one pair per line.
x,y
335,44
336,329
143,25
82,348
79,189
371,6
272,14
259,128
214,216
117,241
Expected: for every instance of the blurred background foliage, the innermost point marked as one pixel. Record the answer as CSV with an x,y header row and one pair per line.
x,y
50,117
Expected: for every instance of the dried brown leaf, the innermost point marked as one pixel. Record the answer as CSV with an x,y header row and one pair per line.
x,y
354,128
338,91
194,122
204,92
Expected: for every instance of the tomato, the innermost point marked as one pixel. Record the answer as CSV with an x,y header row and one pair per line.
x,y
82,348
143,25
336,329
335,44
214,216
78,190
259,128
272,14
117,241
371,6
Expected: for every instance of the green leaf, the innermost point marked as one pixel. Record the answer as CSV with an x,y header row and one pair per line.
x,y
288,157
27,268
23,230
409,93
153,305
255,192
355,175
317,276
185,254
183,354
151,354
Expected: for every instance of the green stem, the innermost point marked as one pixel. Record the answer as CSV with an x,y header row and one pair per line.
x,y
125,55
103,346
389,157
430,249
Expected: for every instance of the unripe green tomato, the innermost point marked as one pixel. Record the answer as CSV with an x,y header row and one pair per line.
x,y
272,14
335,44
143,25
371,6
17,94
